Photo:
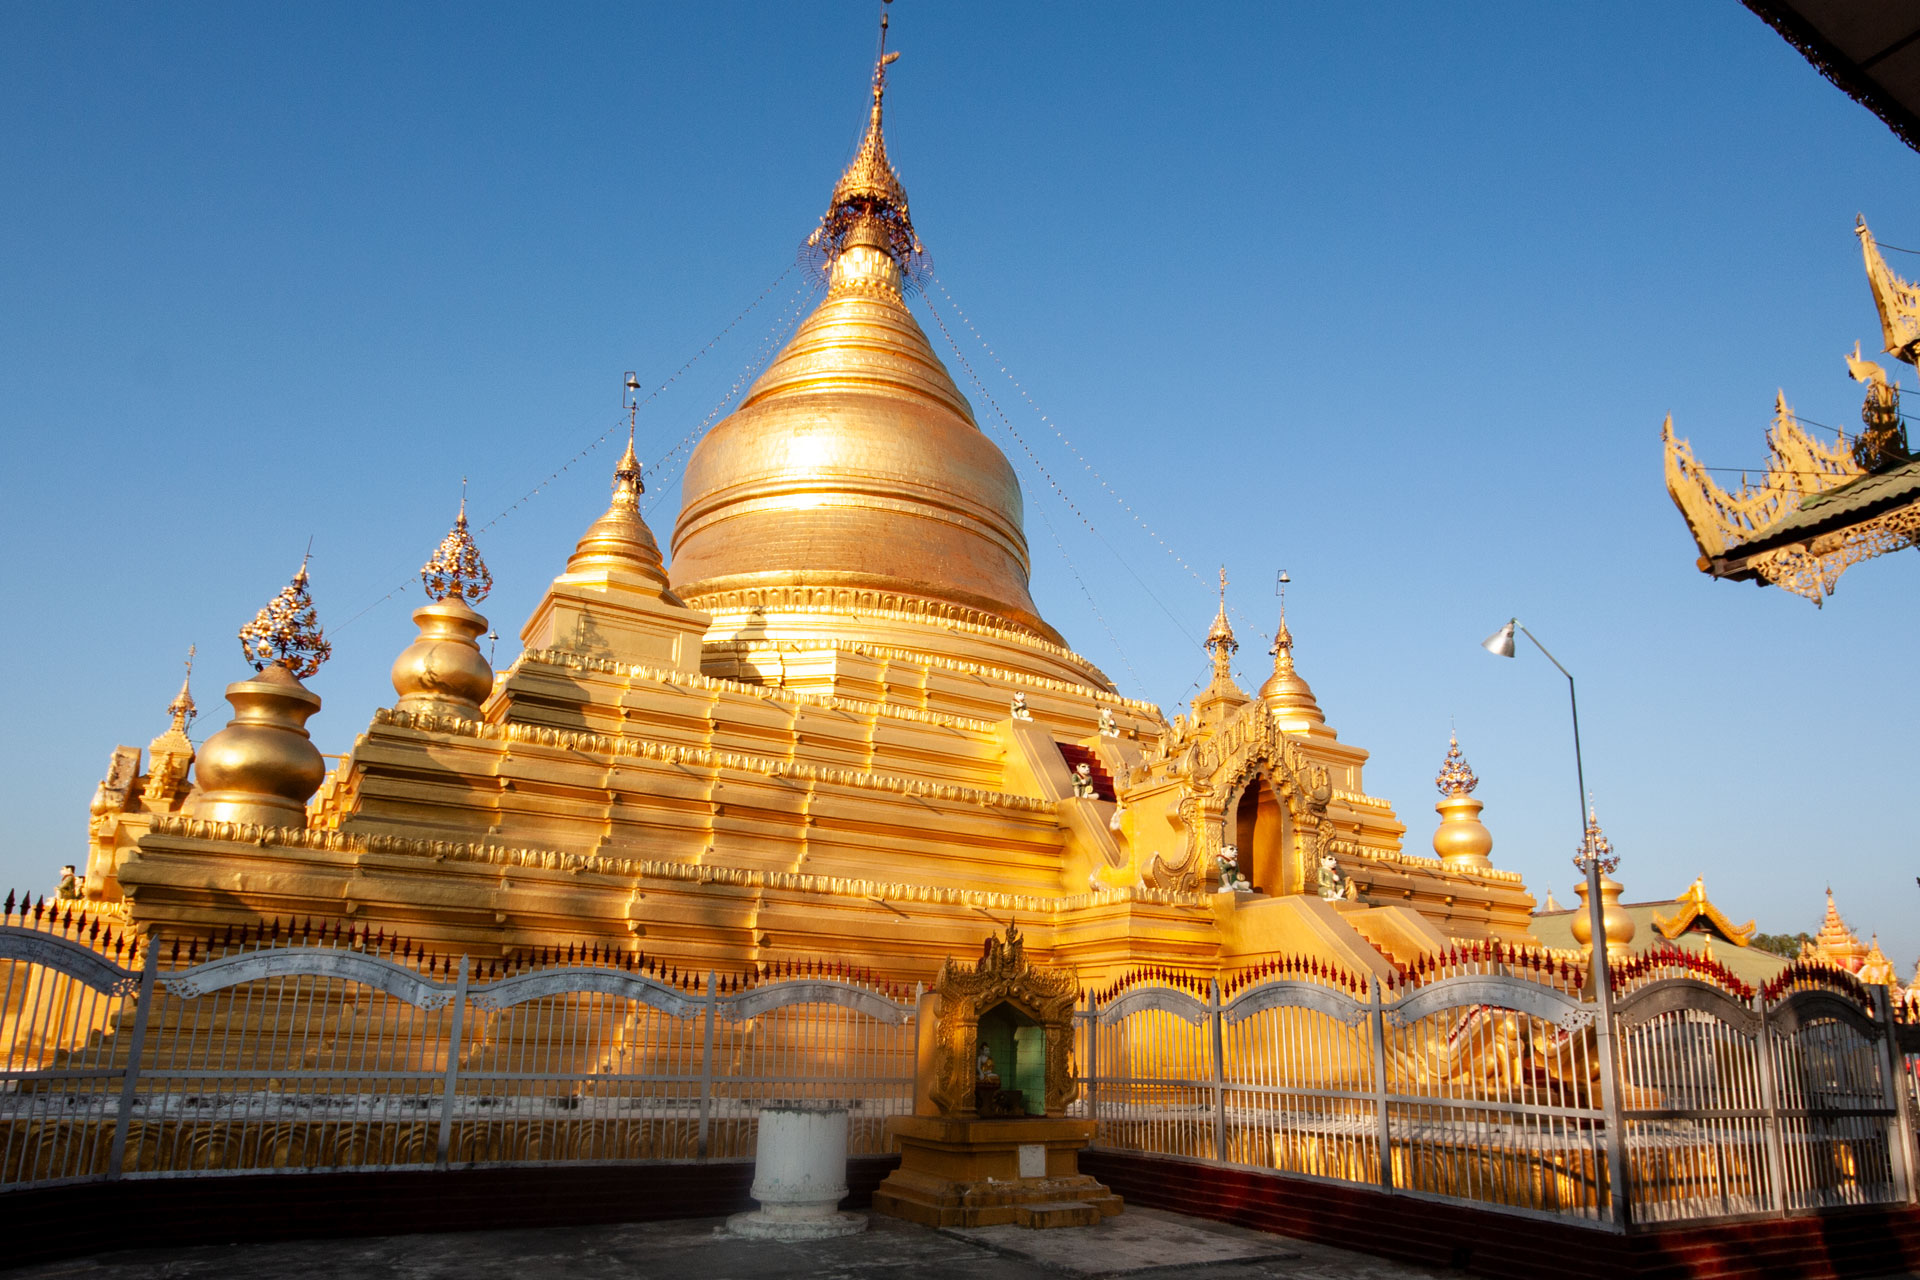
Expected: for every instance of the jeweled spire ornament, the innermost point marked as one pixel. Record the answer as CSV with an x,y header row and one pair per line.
x,y
456,568
1462,840
870,193
1456,776
1220,642
1618,924
443,672
1222,696
287,632
181,708
1596,847
261,769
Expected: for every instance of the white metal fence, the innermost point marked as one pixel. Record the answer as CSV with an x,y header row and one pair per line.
x,y
1495,1081
1691,1099
322,1057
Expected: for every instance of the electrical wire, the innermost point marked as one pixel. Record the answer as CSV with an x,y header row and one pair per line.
x,y
597,440
1046,475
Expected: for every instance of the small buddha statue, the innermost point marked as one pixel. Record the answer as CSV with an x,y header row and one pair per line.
x,y
1020,711
1108,729
985,1077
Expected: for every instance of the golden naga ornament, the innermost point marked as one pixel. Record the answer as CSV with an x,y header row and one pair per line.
x,y
1820,508
456,568
287,632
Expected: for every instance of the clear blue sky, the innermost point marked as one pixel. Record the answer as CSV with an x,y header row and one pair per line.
x,y
1393,296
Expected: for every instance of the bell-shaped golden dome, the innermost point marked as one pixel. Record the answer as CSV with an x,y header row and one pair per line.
x,y
620,541
1286,690
854,467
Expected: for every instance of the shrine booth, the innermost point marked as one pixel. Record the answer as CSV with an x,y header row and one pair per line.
x,y
990,1140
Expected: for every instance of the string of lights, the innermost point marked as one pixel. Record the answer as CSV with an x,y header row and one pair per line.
x,y
597,441
776,337
1060,435
1139,685
1041,467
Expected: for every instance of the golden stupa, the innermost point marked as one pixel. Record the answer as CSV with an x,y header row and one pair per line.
x,y
834,725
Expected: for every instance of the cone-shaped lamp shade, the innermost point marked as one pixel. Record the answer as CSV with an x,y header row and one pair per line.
x,y
1500,642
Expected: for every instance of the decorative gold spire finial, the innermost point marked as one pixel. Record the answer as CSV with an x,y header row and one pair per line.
x,y
870,192
1596,846
1456,777
456,568
1220,637
1282,648
1290,697
1462,840
287,632
181,708
620,539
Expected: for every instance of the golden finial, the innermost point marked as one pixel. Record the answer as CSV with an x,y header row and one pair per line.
x,y
1596,846
1456,777
287,632
456,568
1282,648
870,190
1220,636
181,708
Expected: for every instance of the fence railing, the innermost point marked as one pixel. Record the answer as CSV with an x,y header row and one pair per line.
x,y
1703,1100
1492,1088
305,1057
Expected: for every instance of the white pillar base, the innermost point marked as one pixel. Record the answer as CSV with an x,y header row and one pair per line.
x,y
799,1175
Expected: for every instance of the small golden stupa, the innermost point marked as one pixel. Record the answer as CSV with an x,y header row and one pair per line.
x,y
833,724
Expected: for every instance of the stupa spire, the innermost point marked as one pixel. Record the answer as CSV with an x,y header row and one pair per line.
x,y
442,672
1285,691
1462,840
170,755
620,540
869,203
1220,641
181,708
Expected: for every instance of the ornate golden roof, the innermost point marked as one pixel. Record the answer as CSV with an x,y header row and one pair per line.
x,y
1836,944
854,461
1875,967
1693,907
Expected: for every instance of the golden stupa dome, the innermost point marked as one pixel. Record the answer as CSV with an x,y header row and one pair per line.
x,y
853,468
1286,690
619,541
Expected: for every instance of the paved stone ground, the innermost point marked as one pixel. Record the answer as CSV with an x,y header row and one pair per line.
x,y
1140,1242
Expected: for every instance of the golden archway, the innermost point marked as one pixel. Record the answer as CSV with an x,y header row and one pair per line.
x,y
1249,752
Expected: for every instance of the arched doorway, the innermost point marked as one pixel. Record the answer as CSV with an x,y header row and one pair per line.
x,y
1261,828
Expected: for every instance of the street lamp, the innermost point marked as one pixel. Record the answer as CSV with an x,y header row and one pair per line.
x,y
1595,856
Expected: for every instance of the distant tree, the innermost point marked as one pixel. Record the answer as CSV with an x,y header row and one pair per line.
x,y
1781,944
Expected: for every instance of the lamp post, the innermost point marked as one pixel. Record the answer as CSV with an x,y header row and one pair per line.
x,y
1593,854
